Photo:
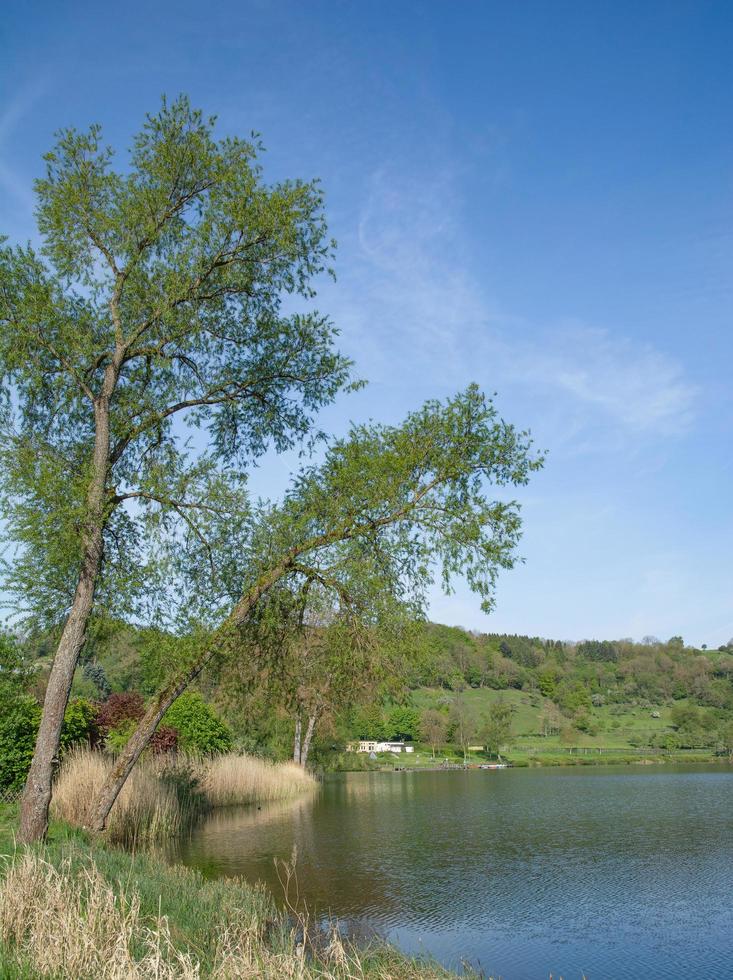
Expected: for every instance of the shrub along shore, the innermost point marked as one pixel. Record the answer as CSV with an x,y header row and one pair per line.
x,y
85,910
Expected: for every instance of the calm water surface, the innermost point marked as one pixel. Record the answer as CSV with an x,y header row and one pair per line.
x,y
610,872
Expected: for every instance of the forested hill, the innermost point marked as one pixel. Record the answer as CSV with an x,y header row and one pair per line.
x,y
534,695
452,685
576,675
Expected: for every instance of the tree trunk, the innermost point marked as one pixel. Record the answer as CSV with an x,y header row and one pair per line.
x,y
100,808
37,793
308,738
296,747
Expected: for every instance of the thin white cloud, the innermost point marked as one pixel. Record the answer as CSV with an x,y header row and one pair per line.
x,y
640,388
409,298
17,187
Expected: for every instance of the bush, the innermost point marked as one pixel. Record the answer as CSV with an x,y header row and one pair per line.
x,y
164,740
18,729
118,709
199,728
94,672
403,722
573,698
118,737
79,723
584,723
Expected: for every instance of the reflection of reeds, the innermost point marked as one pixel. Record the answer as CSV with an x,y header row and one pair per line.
x,y
72,920
229,779
233,820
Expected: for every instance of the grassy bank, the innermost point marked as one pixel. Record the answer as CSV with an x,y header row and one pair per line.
x,y
74,909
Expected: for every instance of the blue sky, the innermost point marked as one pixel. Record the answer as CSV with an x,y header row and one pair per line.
x,y
535,196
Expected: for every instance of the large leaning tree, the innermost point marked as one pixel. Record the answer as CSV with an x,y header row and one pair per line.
x,y
317,647
388,510
158,303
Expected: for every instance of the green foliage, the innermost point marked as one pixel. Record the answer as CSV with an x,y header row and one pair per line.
x,y
79,725
157,291
687,718
573,697
547,680
118,736
94,672
433,727
522,650
370,723
724,738
585,723
497,727
18,730
199,727
597,650
403,722
15,670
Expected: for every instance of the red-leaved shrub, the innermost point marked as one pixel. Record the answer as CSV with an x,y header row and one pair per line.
x,y
119,708
164,740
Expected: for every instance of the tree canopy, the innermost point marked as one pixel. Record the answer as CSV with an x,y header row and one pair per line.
x,y
156,296
155,307
389,509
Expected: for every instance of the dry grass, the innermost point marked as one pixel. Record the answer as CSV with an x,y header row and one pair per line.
x,y
148,808
230,779
161,798
69,921
60,924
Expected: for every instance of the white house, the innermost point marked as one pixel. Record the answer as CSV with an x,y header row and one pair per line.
x,y
372,745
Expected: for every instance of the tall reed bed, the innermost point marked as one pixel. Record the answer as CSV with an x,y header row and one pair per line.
x,y
230,779
151,805
163,796
73,917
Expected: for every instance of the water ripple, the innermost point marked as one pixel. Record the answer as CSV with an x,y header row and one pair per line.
x,y
613,873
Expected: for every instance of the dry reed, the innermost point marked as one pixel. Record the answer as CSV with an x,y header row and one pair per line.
x,y
230,779
71,922
161,797
61,924
148,808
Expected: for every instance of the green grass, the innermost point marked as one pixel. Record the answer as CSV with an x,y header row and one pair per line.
x,y
527,706
619,727
196,907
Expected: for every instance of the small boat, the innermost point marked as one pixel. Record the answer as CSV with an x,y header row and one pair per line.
x,y
493,765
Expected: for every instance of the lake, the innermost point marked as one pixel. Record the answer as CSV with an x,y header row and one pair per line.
x,y
611,872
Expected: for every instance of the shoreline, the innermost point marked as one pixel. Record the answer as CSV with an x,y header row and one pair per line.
x,y
132,913
527,761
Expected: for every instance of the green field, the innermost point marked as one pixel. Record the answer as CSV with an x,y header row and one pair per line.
x,y
623,730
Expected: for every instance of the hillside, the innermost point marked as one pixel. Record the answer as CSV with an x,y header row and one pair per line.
x,y
560,699
540,700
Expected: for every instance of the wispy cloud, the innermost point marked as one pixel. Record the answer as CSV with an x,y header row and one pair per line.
x,y
640,388
17,187
413,304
